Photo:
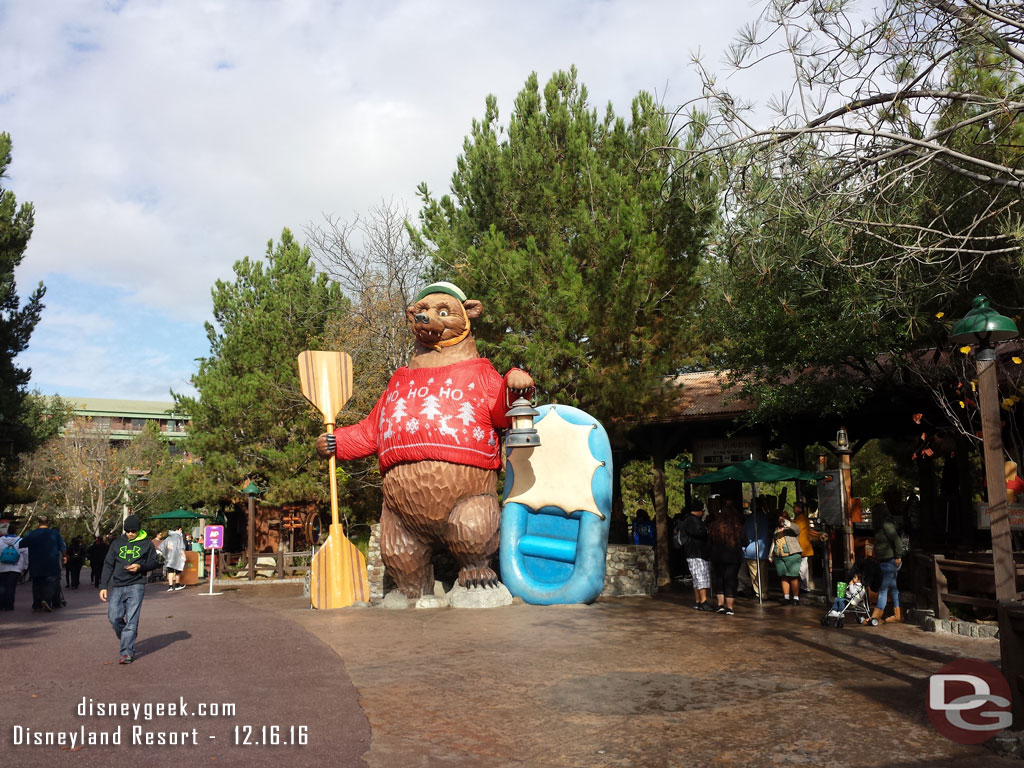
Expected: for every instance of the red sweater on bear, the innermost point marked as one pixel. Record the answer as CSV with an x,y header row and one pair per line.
x,y
440,414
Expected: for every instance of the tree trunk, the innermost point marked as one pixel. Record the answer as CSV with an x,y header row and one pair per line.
x,y
664,577
619,533
932,529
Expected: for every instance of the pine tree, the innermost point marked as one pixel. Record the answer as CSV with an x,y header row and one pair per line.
x,y
17,321
250,420
580,242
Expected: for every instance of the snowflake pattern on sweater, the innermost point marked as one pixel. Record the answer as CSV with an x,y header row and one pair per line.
x,y
441,414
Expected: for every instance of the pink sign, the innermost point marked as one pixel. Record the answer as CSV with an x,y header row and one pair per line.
x,y
214,537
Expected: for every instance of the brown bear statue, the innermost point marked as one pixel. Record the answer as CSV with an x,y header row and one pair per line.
x,y
434,431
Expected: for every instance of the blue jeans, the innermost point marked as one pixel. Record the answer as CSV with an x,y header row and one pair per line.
x,y
123,607
889,571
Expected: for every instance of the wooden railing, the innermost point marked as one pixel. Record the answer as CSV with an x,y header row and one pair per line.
x,y
275,565
959,581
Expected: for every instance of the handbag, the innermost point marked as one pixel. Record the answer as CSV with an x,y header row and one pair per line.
x,y
787,545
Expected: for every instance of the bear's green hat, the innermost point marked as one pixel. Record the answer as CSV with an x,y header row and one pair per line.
x,y
450,288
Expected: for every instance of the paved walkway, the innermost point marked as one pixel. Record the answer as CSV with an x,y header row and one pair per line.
x,y
626,682
198,649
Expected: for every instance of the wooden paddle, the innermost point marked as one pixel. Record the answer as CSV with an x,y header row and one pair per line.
x,y
338,573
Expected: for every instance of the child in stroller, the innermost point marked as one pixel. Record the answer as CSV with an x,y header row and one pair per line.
x,y
851,599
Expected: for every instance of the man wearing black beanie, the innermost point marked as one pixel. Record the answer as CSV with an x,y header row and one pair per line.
x,y
129,559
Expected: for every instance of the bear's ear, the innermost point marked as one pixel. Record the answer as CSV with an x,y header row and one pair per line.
x,y
473,308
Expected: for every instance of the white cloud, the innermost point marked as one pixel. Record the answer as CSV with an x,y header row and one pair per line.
x,y
162,142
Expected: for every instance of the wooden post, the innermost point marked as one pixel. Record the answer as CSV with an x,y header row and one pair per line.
x,y
846,494
250,550
941,589
995,479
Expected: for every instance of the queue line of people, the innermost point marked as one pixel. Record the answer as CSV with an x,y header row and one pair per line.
x,y
717,546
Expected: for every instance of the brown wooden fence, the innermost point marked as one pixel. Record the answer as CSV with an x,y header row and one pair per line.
x,y
967,579
273,565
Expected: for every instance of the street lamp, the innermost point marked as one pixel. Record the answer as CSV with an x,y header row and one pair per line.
x,y
985,327
252,491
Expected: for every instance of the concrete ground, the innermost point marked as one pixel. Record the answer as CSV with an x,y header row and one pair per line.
x,y
639,682
623,682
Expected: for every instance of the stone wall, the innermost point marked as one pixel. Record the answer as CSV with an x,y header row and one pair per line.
x,y
374,565
629,569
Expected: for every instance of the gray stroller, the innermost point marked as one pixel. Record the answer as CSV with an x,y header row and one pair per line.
x,y
851,601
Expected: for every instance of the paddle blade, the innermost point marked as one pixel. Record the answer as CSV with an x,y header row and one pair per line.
x,y
338,576
326,379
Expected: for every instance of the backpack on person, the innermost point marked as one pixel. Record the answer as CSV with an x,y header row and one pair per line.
x,y
680,538
10,554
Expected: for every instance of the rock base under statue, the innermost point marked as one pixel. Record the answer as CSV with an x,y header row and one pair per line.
x,y
457,597
479,597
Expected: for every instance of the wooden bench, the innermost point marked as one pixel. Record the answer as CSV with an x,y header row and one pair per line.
x,y
973,580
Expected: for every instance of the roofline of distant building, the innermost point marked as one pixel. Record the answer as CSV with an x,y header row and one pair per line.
x,y
116,415
139,409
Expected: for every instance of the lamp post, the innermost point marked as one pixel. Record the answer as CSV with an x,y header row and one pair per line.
x,y
985,327
845,494
252,491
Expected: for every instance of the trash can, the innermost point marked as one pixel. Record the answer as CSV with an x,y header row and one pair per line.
x,y
643,533
190,574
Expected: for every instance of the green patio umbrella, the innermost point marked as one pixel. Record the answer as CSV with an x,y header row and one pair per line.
x,y
178,514
754,471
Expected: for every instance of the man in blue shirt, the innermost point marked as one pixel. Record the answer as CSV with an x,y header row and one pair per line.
x,y
46,551
757,536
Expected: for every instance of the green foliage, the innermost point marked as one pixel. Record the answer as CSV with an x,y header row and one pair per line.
x,y
801,334
154,473
880,466
250,420
638,488
880,202
76,474
42,419
44,416
86,479
17,322
579,240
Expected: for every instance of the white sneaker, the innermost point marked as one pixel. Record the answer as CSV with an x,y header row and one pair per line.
x,y
834,614
170,589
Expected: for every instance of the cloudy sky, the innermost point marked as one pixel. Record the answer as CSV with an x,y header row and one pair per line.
x,y
161,141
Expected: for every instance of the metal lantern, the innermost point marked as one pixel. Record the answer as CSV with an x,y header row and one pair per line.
x,y
522,433
842,440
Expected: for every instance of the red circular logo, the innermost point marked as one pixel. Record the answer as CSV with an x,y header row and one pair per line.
x,y
969,701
